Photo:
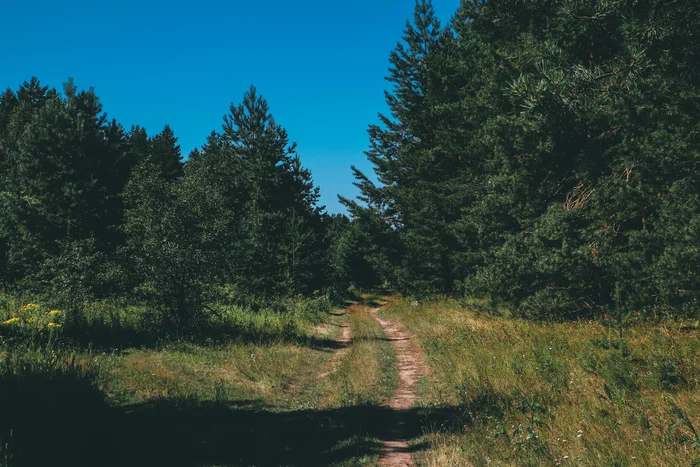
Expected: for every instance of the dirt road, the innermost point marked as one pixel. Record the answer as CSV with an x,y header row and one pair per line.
x,y
411,367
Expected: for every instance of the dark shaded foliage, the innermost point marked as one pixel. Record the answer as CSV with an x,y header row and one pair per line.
x,y
90,211
543,154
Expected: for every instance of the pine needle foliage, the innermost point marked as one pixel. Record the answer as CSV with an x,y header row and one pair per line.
x,y
544,155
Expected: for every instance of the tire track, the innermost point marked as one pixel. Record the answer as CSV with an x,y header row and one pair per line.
x,y
343,341
411,367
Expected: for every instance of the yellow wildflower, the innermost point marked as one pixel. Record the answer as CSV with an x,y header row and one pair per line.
x,y
31,320
54,325
11,320
30,307
54,312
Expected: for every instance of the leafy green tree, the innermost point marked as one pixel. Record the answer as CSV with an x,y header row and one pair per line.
x,y
171,258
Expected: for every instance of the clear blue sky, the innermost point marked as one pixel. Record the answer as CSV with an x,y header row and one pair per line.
x,y
320,64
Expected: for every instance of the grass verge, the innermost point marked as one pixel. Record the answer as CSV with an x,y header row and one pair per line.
x,y
366,374
249,398
514,392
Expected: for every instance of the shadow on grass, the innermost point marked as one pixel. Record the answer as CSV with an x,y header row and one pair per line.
x,y
108,337
178,433
63,430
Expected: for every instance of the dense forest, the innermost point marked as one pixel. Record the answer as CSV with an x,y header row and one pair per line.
x,y
544,155
93,211
522,267
540,154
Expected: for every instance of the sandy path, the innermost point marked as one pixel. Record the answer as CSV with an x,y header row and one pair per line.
x,y
411,367
343,343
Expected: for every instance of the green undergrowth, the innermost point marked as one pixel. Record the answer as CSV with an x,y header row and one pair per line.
x,y
110,324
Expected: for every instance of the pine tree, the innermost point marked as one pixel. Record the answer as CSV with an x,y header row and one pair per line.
x,y
271,222
67,170
537,153
166,153
417,196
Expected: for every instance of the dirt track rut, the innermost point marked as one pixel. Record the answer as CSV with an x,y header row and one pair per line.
x,y
411,367
343,343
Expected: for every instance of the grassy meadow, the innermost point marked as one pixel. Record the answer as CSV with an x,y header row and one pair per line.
x,y
279,388
516,392
245,391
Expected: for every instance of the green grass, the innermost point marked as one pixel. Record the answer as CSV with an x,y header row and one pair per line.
x,y
110,324
514,392
246,389
258,374
365,375
249,395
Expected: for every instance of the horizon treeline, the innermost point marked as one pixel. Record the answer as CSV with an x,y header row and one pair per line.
x,y
91,210
544,155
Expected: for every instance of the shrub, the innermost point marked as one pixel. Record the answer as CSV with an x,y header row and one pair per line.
x,y
665,372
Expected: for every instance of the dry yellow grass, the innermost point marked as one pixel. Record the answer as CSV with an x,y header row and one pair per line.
x,y
523,393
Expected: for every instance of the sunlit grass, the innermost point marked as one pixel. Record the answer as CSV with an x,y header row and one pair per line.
x,y
525,393
270,373
365,375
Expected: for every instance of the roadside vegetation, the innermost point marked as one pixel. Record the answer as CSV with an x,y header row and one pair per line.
x,y
520,392
62,394
365,375
205,401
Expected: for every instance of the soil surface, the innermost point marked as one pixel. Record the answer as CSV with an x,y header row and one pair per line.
x,y
343,344
411,367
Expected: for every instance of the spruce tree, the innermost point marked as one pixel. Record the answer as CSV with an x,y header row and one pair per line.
x,y
271,222
66,171
537,155
417,197
166,153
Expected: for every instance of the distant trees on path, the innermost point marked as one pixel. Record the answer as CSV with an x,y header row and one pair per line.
x,y
91,210
544,155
